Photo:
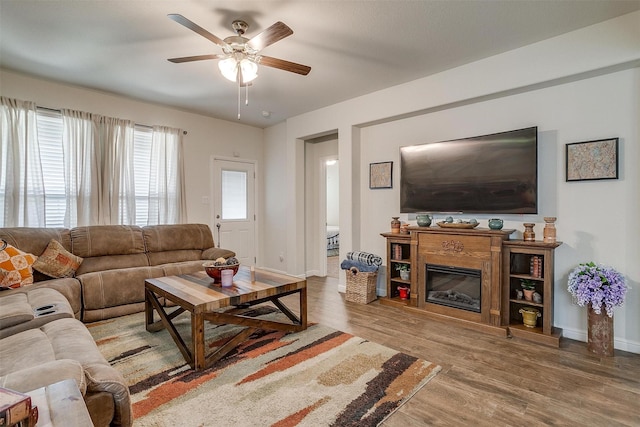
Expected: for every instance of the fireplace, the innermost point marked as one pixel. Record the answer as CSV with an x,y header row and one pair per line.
x,y
455,287
459,274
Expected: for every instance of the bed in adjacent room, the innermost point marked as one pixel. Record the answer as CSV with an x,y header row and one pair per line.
x,y
333,240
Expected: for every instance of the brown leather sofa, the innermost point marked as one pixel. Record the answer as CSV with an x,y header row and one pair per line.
x,y
108,283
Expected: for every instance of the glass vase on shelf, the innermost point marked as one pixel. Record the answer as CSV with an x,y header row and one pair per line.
x,y
549,231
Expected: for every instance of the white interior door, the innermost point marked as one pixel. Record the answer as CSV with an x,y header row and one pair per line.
x,y
234,207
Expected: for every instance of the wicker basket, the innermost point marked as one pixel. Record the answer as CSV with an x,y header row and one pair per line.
x,y
361,287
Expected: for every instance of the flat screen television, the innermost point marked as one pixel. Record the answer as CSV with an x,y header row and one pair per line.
x,y
492,174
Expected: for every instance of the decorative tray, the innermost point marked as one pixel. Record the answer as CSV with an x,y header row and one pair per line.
x,y
457,225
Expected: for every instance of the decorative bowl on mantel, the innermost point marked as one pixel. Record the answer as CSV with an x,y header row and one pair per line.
x,y
457,224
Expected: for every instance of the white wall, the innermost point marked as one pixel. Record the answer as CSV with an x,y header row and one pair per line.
x,y
587,225
576,87
205,137
275,230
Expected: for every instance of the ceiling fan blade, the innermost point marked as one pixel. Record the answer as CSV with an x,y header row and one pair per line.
x,y
276,32
284,65
194,58
198,29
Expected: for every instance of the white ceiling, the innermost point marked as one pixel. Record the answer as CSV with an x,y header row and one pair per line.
x,y
353,47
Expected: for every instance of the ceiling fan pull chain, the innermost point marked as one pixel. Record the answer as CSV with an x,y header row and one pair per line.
x,y
246,98
238,99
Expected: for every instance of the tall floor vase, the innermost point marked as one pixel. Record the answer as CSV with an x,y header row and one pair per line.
x,y
600,332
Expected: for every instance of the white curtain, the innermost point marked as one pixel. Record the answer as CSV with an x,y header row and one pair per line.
x,y
99,176
21,185
118,186
100,170
82,156
166,184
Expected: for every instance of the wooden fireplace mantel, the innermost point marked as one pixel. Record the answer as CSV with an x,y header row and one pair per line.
x,y
483,249
478,249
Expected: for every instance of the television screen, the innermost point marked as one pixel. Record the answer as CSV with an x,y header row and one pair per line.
x,y
495,173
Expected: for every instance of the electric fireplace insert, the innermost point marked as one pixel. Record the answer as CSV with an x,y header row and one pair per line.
x,y
454,287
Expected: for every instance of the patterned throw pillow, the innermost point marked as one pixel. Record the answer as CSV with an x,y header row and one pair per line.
x,y
57,262
15,267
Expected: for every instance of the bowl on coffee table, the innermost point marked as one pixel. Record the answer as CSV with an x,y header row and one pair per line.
x,y
215,271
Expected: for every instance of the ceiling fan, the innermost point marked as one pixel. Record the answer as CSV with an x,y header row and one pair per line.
x,y
240,56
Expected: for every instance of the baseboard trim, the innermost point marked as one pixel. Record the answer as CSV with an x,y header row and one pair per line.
x,y
618,344
273,270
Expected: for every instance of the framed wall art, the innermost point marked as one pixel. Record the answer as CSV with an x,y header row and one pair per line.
x,y
591,160
380,175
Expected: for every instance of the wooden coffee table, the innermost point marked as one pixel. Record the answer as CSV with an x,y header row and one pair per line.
x,y
205,300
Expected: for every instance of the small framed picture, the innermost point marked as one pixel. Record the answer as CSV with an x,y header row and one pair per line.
x,y
380,175
592,160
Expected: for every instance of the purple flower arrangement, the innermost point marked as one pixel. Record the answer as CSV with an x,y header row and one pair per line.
x,y
597,285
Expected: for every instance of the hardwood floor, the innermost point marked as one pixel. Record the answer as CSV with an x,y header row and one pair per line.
x,y
488,380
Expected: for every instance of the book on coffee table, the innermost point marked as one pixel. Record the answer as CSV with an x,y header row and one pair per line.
x,y
16,407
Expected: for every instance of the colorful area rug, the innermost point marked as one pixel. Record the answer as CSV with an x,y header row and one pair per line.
x,y
318,377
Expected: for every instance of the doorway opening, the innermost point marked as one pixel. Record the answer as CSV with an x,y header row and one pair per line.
x,y
322,228
332,190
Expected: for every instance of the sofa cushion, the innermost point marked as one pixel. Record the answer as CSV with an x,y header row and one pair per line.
x,y
113,288
101,240
159,258
108,247
15,267
57,262
35,240
176,243
160,238
25,350
177,268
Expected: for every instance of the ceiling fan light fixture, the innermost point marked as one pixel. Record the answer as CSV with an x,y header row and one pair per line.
x,y
228,67
249,70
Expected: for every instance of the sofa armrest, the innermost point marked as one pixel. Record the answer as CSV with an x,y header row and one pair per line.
x,y
68,286
105,378
215,253
44,374
14,310
31,308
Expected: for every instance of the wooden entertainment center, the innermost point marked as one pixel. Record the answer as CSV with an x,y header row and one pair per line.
x,y
487,266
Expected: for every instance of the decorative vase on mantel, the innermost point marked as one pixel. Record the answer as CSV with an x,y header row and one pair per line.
x,y
529,235
549,231
600,332
395,224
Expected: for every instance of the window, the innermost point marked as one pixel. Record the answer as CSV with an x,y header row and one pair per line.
x,y
142,138
234,194
49,124
133,173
